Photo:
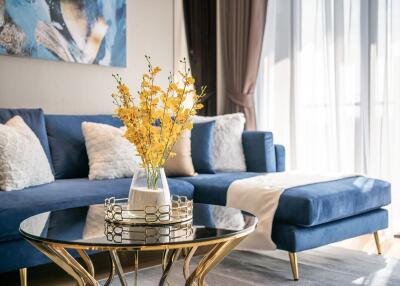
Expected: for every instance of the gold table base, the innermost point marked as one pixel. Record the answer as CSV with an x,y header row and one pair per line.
x,y
84,274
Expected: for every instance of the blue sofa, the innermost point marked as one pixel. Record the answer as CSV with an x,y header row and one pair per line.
x,y
307,216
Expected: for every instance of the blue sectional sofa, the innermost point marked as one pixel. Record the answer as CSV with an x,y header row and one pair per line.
x,y
307,216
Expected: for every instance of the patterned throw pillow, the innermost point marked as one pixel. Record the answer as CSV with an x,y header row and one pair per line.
x,y
23,162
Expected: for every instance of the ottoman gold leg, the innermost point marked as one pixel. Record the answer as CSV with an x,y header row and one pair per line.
x,y
294,265
23,276
377,242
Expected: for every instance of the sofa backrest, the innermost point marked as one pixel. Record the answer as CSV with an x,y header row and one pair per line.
x,y
67,144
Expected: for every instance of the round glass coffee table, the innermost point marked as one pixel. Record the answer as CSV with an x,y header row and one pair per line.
x,y
84,228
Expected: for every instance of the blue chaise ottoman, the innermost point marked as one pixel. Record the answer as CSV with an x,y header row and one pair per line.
x,y
313,215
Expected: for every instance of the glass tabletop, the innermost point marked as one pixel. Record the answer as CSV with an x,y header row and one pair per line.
x,y
86,227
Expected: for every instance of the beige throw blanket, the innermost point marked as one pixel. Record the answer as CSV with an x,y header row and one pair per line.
x,y
260,196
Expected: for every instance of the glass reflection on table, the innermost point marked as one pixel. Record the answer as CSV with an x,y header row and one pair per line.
x,y
86,226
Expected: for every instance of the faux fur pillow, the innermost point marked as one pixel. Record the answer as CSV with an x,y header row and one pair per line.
x,y
110,154
227,150
23,162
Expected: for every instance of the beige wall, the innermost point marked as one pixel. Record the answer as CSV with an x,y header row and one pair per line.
x,y
68,88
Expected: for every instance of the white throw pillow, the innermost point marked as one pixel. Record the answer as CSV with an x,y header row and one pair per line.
x,y
23,162
227,150
110,154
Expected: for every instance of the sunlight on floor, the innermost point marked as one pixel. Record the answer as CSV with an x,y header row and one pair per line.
x,y
390,245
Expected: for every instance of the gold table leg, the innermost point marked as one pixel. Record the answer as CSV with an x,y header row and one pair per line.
x,y
164,259
112,272
168,265
186,265
118,266
136,265
85,277
63,259
86,259
210,260
23,276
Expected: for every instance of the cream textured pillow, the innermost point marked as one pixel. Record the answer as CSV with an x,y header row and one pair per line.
x,y
181,164
110,154
23,162
227,149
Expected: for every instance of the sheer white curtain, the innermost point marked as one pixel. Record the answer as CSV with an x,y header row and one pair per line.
x,y
329,85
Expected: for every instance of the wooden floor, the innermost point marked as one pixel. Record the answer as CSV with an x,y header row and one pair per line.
x,y
51,275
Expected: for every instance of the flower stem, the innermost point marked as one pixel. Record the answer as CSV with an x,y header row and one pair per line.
x,y
152,176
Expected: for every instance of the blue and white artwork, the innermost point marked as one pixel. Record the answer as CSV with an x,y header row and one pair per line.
x,y
79,31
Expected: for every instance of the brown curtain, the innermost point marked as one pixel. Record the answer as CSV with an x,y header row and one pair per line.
x,y
201,34
242,30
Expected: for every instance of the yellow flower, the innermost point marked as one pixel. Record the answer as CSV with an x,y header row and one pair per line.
x,y
123,89
167,108
190,80
155,70
173,86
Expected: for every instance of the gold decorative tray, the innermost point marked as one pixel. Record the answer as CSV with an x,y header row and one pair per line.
x,y
120,233
117,211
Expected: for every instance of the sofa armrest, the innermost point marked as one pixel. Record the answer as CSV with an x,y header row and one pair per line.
x,y
280,154
259,151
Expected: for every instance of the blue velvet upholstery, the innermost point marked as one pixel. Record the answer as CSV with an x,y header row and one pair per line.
x,y
34,118
319,203
65,193
201,145
67,144
296,238
212,188
280,154
259,151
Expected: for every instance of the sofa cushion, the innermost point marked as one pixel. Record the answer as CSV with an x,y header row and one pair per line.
x,y
19,205
259,151
34,118
324,202
305,205
212,188
67,144
201,147
295,238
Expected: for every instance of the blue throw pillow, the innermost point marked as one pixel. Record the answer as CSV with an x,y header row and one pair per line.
x,y
34,118
202,140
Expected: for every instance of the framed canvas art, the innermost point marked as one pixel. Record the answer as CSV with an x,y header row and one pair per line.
x,y
79,31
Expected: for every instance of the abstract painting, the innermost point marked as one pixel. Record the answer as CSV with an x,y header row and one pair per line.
x,y
79,31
